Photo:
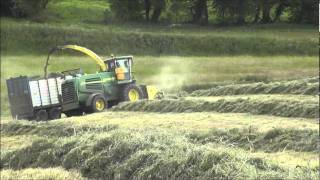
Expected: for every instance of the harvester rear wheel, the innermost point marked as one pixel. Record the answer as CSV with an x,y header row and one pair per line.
x,y
132,93
42,115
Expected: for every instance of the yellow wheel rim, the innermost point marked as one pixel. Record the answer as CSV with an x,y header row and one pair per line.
x,y
100,105
133,95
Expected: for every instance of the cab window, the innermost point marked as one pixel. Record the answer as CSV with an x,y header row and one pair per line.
x,y
123,63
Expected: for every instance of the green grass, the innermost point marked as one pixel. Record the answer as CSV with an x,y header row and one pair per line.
x,y
78,11
24,37
168,72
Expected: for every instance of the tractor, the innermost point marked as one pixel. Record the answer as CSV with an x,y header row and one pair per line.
x,y
113,83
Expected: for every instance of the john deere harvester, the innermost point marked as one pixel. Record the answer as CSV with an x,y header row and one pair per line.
x,y
95,92
78,92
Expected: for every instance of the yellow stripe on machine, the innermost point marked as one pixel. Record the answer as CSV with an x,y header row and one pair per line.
x,y
88,52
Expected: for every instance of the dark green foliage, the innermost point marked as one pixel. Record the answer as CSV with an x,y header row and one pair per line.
x,y
305,11
154,6
23,8
277,107
6,6
271,141
201,12
290,87
136,10
233,11
127,10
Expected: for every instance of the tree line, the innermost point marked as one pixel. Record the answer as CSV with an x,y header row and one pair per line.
x,y
200,12
220,11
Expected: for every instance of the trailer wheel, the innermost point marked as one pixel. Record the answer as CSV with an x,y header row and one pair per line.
x,y
55,113
132,93
98,104
76,112
42,115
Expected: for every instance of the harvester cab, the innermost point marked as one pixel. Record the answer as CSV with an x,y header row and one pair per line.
x,y
121,66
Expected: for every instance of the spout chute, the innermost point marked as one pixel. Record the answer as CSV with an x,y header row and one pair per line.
x,y
84,50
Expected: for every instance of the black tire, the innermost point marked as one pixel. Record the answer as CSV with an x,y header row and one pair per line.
x,y
54,113
127,89
98,100
75,112
144,91
42,115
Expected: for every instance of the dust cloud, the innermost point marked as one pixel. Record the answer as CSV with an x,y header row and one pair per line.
x,y
174,74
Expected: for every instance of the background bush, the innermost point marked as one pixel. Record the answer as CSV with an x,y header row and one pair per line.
x,y
23,8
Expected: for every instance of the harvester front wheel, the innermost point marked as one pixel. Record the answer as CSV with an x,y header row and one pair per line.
x,y
132,93
98,104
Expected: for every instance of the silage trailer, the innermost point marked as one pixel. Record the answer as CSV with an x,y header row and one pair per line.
x,y
34,98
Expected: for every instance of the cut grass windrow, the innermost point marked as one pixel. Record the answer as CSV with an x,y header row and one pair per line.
x,y
247,80
40,173
273,140
50,129
308,99
147,154
289,87
276,107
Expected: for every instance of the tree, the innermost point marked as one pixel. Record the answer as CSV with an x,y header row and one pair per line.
x,y
241,11
279,9
199,10
127,10
222,9
23,8
305,11
6,6
158,6
233,11
136,10
147,7
266,7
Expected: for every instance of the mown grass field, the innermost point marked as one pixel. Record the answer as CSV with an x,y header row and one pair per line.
x,y
169,73
173,138
143,144
240,103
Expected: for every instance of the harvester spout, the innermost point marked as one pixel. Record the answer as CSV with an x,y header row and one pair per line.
x,y
84,50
